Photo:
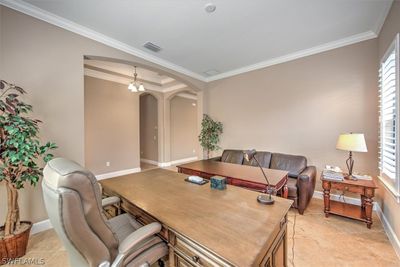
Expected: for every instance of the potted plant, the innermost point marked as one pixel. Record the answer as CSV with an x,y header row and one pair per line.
x,y
209,135
20,151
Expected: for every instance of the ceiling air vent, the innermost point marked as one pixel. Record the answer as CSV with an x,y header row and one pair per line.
x,y
152,47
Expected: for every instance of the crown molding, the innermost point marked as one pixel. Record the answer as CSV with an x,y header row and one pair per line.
x,y
379,24
53,19
296,55
68,25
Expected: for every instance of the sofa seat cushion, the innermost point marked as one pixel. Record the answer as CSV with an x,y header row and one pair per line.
x,y
232,156
291,163
292,187
263,157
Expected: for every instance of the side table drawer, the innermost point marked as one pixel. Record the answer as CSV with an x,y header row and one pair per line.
x,y
344,187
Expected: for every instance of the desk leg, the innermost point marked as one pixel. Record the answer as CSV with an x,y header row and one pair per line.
x,y
285,191
327,190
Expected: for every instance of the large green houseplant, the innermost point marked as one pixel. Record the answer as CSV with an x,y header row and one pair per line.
x,y
210,133
20,152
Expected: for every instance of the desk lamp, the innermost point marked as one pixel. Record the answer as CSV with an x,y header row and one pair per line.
x,y
262,198
352,142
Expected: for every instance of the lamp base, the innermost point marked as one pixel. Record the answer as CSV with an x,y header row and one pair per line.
x,y
265,199
350,177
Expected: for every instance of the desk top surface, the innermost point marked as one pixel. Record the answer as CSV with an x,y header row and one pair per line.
x,y
231,223
244,172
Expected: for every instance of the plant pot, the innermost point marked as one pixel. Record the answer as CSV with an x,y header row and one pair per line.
x,y
14,246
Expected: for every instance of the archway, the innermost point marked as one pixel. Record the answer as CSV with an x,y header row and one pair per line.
x,y
149,131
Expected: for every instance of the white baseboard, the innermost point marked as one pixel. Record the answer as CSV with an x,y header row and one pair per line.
x,y
179,161
41,226
394,240
350,200
168,164
149,161
117,173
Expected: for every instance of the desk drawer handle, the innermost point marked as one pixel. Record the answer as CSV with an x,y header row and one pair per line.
x,y
196,259
346,188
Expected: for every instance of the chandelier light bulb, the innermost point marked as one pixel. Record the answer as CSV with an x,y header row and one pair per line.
x,y
141,88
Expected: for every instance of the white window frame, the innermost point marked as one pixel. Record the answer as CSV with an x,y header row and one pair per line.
x,y
393,186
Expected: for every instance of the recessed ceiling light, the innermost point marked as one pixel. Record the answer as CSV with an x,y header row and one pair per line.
x,y
210,7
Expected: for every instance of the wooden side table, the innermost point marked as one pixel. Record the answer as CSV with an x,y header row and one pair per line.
x,y
366,189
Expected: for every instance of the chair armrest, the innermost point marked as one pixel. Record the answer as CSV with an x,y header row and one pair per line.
x,y
215,158
139,235
126,246
108,201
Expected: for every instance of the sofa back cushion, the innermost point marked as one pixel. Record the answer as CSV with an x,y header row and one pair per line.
x,y
264,158
232,156
291,163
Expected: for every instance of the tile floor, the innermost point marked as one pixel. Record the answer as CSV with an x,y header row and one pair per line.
x,y
318,241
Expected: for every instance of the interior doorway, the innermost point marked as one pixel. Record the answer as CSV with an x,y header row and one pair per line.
x,y
148,131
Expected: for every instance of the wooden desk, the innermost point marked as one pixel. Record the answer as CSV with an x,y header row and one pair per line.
x,y
240,175
206,227
366,189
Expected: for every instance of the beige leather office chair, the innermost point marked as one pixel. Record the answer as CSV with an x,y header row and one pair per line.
x,y
73,202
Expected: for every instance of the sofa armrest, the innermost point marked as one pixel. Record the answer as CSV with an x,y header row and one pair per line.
x,y
306,185
215,158
307,175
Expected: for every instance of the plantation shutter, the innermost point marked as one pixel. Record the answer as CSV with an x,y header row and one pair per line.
x,y
388,97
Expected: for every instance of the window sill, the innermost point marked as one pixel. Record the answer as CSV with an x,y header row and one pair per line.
x,y
390,188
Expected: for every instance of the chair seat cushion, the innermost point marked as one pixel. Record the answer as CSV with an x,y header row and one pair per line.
x,y
122,226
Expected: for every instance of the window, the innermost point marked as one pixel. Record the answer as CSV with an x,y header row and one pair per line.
x,y
389,160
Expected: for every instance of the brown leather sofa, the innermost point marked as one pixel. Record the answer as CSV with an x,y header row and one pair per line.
x,y
301,182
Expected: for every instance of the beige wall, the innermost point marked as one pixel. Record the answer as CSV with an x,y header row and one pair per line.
x,y
183,128
385,198
149,127
48,62
300,107
111,126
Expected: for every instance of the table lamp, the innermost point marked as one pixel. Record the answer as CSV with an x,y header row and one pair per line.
x,y
352,142
263,199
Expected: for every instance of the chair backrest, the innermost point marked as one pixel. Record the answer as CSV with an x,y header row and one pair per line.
x,y
73,201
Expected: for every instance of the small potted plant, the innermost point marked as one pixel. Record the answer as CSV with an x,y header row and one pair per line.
x,y
20,151
209,135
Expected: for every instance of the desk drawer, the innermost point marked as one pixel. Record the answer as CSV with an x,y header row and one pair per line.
x,y
348,188
193,254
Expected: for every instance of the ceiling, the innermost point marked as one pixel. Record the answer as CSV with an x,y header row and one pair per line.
x,y
122,73
240,36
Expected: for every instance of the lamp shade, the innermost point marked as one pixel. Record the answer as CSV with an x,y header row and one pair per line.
x,y
354,142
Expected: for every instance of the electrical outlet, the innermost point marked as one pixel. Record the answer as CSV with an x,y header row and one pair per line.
x,y
108,164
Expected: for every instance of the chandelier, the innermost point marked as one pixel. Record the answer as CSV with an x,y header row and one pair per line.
x,y
133,87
